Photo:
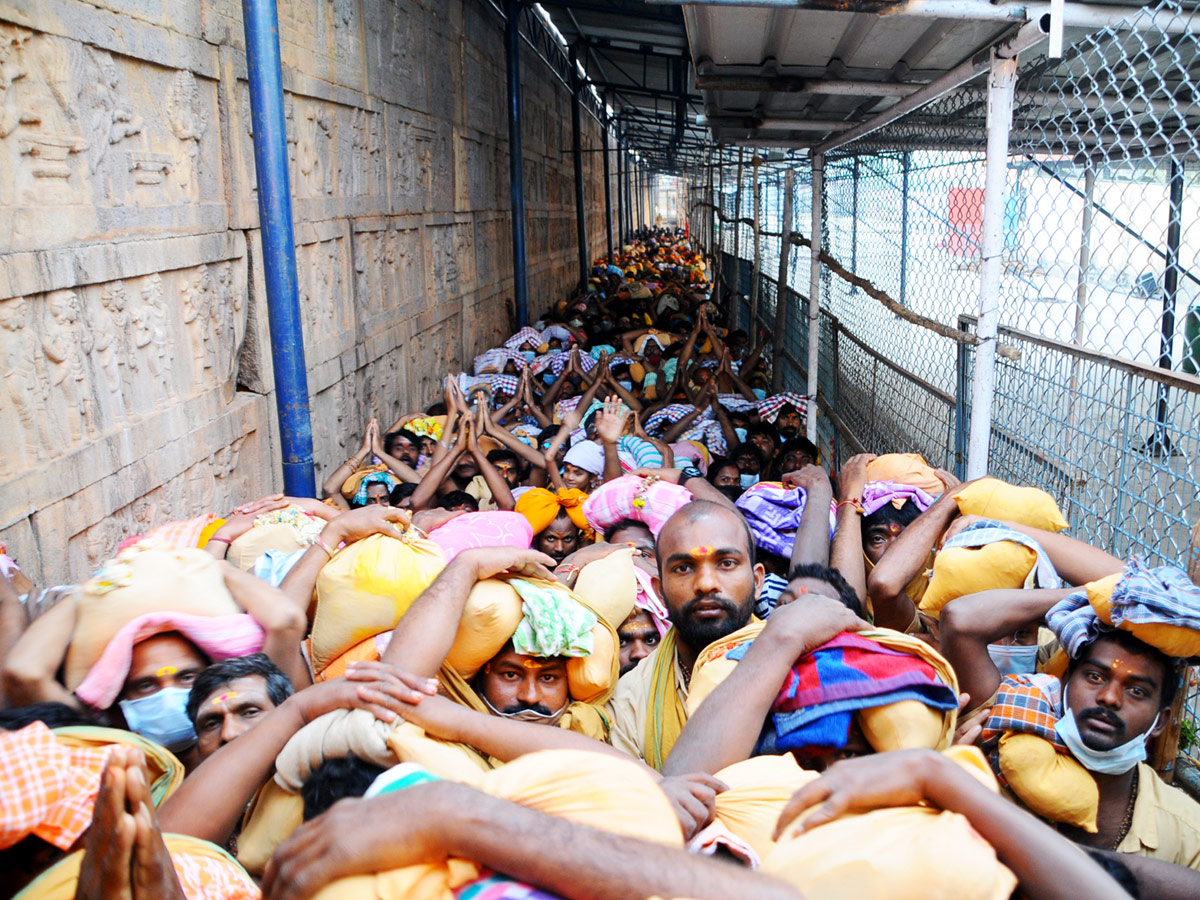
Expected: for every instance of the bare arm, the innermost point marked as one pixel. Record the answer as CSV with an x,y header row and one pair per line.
x,y
846,554
431,483
13,622
907,556
279,615
430,822
1075,561
1048,865
211,801
812,537
725,727
33,660
970,623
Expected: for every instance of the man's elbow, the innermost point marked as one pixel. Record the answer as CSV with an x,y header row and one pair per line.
x,y
22,684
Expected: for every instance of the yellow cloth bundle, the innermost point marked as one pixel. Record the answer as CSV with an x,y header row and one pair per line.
x,y
1173,640
593,789
365,589
905,468
996,499
958,571
143,578
902,853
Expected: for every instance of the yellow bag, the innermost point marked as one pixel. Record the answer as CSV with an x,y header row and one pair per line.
x,y
901,853
602,791
143,578
905,468
286,530
1052,784
996,499
895,726
492,614
1173,640
609,586
958,571
759,789
366,588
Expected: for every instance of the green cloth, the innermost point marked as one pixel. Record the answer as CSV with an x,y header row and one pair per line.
x,y
554,623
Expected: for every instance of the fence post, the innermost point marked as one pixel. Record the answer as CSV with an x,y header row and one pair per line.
x,y
737,243
756,270
1081,287
907,162
1002,80
960,406
1160,443
854,226
781,288
814,291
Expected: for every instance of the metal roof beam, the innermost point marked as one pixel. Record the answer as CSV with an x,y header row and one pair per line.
x,y
787,84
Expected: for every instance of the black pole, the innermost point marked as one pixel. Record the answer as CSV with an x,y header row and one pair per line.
x,y
516,165
627,228
907,162
620,194
1160,442
608,230
854,226
577,152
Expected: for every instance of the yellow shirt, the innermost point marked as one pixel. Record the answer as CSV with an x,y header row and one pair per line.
x,y
630,705
1166,823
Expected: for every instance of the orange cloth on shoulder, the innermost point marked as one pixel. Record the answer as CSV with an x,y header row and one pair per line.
x,y
541,507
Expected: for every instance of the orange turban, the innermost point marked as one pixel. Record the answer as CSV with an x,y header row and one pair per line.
x,y
541,507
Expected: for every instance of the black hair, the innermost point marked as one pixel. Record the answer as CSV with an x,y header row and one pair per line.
x,y
392,436
834,579
52,715
736,333
456,498
503,454
625,523
1171,670
335,779
748,448
716,465
546,435
219,674
402,491
436,409
889,515
765,428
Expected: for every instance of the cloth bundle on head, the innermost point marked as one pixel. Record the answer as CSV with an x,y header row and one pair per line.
x,y
1159,606
188,533
662,340
736,402
995,499
900,691
669,415
525,339
710,433
282,530
770,408
983,556
905,469
354,488
817,703
205,872
694,452
541,507
1028,756
586,455
498,385
492,362
773,513
146,580
558,361
648,500
366,587
896,853
428,426
878,494
556,333
637,453
495,528
600,791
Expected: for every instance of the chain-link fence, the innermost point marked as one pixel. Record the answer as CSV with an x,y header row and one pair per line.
x,y
1095,395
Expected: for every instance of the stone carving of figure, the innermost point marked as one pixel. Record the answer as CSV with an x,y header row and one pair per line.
x,y
227,311
110,118
19,366
150,331
66,345
197,316
188,120
112,336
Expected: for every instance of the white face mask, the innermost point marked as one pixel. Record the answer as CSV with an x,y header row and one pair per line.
x,y
1014,659
529,715
1116,761
162,718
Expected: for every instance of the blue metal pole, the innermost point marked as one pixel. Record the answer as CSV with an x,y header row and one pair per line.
x,y
516,158
261,22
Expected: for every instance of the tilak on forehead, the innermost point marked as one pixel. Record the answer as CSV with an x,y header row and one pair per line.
x,y
165,672
702,551
224,698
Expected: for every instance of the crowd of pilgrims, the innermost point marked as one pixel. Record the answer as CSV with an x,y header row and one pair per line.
x,y
601,623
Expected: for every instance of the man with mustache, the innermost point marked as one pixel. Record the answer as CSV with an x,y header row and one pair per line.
x,y
708,579
1116,695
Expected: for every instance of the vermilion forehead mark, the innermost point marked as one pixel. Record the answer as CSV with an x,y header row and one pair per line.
x,y
224,698
165,671
701,552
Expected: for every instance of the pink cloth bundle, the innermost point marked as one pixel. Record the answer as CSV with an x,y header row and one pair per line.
x,y
634,497
496,528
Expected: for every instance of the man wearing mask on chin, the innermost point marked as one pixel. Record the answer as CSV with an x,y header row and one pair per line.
x,y
1114,697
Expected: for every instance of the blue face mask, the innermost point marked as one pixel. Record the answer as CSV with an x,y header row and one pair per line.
x,y
760,393
1014,659
529,355
628,385
748,481
549,377
741,434
1116,761
162,718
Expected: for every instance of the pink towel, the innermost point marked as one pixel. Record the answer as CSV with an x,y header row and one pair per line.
x,y
496,528
221,637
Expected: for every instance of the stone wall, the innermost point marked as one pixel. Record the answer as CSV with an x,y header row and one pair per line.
x,y
137,383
